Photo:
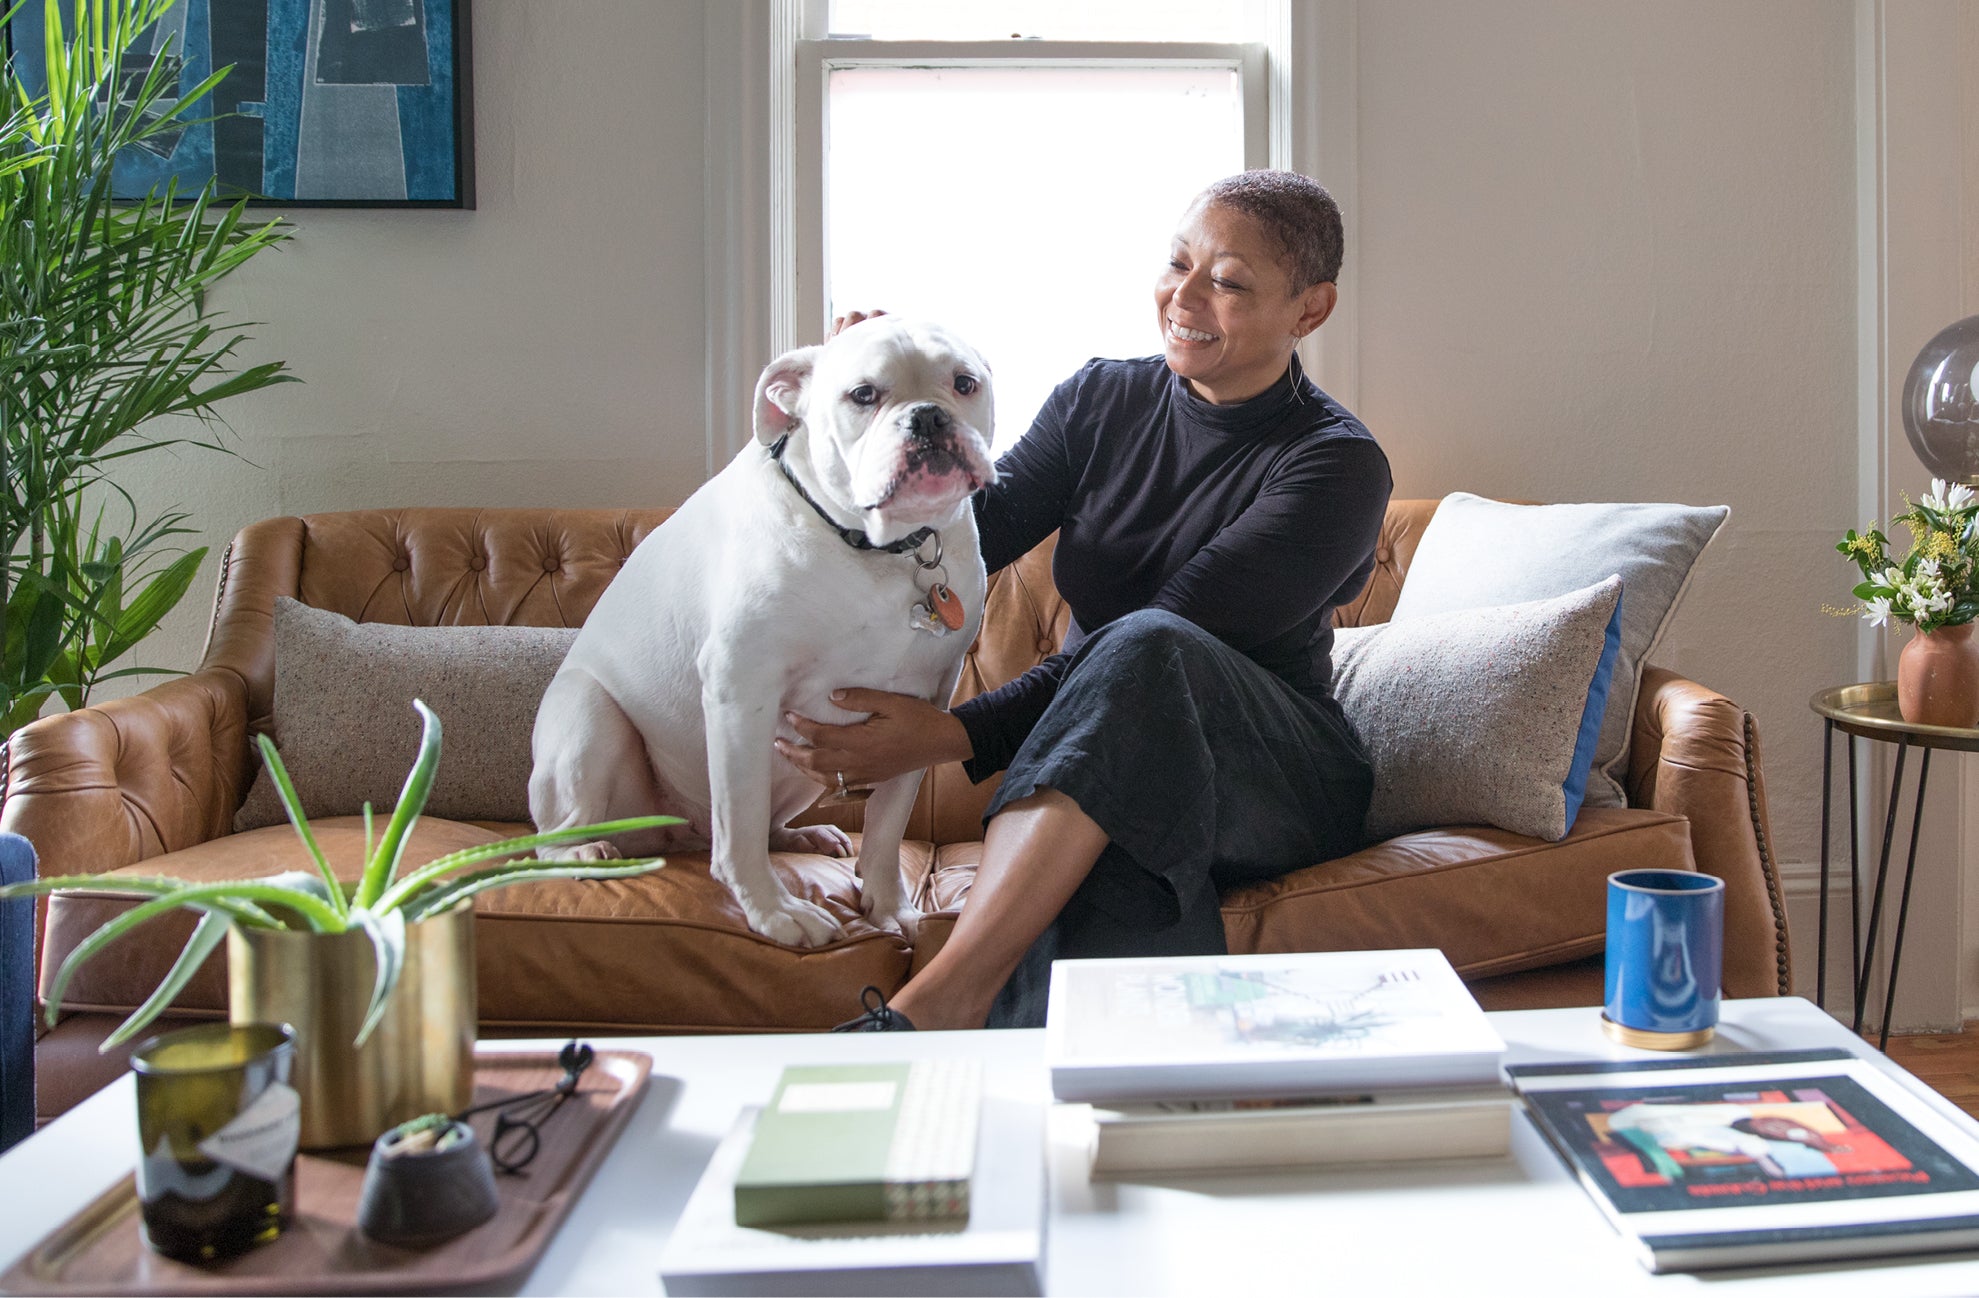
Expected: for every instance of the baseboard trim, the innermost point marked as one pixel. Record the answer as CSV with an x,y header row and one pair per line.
x,y
1803,879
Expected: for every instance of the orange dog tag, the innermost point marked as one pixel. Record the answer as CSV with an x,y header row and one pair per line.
x,y
946,605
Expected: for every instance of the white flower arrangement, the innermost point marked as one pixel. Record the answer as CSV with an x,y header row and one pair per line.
x,y
1934,585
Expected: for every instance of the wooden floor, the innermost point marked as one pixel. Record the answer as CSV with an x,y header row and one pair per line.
x,y
1949,1064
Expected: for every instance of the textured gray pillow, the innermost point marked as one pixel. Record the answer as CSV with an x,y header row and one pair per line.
x,y
1477,552
1482,717
347,731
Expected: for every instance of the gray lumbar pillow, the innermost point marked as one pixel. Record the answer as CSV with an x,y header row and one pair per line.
x,y
1482,717
347,732
1477,552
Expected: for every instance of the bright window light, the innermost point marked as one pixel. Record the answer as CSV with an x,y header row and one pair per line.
x,y
1086,20
1030,209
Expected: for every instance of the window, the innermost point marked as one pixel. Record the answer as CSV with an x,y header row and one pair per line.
x,y
1085,20
1022,190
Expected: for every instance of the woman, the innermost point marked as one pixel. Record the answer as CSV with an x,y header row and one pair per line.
x,y
1213,508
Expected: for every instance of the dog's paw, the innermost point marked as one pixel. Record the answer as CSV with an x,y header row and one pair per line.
x,y
821,840
793,922
598,851
903,919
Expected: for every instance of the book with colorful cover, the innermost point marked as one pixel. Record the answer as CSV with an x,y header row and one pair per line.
x,y
1297,1024
1738,1160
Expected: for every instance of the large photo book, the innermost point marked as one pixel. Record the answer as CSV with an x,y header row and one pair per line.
x,y
1740,1160
1300,1024
1240,1135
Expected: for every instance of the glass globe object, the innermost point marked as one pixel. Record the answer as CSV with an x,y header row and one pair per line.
x,y
1941,402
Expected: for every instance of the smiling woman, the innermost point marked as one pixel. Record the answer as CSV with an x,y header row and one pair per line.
x,y
1212,507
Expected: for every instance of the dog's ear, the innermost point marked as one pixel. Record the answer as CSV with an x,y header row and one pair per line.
x,y
780,390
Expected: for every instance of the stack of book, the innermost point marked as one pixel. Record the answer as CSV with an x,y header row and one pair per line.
x,y
1209,1063
887,1178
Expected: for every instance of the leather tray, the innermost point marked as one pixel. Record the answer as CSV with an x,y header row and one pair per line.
x,y
101,1250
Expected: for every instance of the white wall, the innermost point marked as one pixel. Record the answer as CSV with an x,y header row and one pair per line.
x,y
1605,250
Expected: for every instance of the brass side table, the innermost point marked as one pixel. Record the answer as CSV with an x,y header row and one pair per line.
x,y
1869,711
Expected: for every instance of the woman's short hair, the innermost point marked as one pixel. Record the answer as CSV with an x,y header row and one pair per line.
x,y
1294,210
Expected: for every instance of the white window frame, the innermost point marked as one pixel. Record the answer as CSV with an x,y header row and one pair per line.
x,y
764,211
818,59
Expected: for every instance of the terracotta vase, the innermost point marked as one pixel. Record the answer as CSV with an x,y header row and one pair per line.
x,y
1938,678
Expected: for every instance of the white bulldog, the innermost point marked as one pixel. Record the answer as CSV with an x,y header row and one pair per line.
x,y
840,550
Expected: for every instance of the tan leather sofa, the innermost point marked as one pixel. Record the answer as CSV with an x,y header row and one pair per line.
x,y
150,784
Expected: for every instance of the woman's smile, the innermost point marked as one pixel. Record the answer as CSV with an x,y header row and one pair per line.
x,y
1229,311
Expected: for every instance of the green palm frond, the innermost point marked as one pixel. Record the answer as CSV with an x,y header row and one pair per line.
x,y
103,331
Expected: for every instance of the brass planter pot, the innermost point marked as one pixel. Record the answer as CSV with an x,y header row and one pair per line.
x,y
419,1059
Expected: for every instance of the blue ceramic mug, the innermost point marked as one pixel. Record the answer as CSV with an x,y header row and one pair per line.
x,y
1666,948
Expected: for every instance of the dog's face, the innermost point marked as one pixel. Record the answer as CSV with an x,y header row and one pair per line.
x,y
893,417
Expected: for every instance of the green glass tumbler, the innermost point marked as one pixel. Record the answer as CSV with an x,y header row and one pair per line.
x,y
217,1127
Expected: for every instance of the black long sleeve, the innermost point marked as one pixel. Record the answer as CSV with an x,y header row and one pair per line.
x,y
1254,521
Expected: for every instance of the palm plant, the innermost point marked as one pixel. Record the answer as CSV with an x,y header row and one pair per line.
x,y
380,903
103,330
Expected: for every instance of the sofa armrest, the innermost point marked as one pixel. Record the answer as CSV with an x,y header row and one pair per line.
x,y
1696,753
17,1016
114,783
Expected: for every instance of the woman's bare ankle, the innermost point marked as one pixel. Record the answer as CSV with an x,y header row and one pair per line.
x,y
930,1011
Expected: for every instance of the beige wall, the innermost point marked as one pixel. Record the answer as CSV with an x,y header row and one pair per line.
x,y
1606,251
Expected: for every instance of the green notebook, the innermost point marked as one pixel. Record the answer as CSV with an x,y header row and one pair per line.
x,y
863,1142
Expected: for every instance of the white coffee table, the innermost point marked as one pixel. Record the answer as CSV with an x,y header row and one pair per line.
x,y
1514,1225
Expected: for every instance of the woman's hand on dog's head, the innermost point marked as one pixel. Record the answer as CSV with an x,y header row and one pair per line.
x,y
841,323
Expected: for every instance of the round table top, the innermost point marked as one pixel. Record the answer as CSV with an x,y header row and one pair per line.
x,y
1870,710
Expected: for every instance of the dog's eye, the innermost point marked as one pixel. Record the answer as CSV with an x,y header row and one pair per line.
x,y
865,395
966,385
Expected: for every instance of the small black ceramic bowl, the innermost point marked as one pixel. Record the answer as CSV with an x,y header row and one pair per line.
x,y
417,1199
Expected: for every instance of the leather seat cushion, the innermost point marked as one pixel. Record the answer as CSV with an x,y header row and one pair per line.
x,y
1493,901
665,952
670,951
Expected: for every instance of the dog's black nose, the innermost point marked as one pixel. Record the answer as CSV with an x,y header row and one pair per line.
x,y
928,421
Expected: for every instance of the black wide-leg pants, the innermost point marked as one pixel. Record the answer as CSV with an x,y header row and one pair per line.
x,y
1205,770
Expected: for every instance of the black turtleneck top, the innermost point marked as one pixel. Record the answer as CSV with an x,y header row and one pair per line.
x,y
1252,520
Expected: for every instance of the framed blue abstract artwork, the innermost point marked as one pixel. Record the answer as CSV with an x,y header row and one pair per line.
x,y
331,103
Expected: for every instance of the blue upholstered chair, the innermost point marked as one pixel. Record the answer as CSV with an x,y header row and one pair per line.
x,y
16,995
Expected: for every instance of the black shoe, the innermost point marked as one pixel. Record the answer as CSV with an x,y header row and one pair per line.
x,y
879,1016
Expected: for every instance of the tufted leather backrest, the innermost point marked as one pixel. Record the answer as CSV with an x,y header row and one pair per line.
x,y
415,567
547,567
1401,532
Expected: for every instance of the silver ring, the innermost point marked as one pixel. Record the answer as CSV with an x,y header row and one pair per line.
x,y
841,782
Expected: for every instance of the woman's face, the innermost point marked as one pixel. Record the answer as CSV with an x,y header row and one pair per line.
x,y
1229,318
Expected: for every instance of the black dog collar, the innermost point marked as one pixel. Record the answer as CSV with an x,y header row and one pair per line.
x,y
857,540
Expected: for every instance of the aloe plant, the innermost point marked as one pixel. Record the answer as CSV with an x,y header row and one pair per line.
x,y
380,903
105,328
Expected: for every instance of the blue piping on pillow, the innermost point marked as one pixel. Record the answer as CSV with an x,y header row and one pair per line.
x,y
1575,787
